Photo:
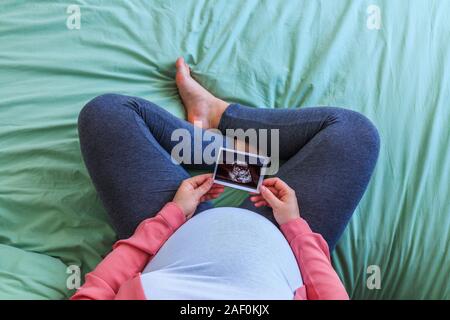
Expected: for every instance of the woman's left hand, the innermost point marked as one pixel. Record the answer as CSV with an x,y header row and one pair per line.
x,y
276,194
195,190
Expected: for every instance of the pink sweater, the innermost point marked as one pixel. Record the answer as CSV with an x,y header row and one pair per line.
x,y
117,277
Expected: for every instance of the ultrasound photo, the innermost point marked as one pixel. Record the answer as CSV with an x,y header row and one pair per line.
x,y
239,170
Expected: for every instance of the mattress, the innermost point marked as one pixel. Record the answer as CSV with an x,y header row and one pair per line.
x,y
389,60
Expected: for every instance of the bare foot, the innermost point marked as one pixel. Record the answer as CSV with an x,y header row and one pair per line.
x,y
202,108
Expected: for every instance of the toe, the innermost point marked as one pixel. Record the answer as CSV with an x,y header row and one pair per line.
x,y
187,68
182,66
180,62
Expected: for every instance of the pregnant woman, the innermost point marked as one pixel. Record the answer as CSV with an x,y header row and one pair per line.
x,y
175,245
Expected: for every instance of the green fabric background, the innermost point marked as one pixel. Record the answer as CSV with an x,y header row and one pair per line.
x,y
284,53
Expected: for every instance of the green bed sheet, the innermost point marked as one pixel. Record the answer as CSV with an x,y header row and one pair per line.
x,y
285,53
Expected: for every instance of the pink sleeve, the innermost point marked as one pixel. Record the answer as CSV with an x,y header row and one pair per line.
x,y
320,280
129,257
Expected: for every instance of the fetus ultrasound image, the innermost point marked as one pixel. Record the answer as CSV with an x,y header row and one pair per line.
x,y
239,172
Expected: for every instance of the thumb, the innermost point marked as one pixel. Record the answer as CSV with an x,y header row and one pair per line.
x,y
204,187
271,199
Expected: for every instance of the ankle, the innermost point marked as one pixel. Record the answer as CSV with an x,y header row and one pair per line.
x,y
219,108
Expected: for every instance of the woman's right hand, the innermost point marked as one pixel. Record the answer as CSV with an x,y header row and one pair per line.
x,y
195,190
276,194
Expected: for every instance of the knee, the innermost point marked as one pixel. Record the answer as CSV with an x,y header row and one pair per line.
x,y
100,110
360,130
367,133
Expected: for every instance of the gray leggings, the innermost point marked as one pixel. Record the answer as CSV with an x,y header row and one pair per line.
x,y
329,155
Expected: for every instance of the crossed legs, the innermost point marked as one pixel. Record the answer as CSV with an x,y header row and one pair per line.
x,y
329,154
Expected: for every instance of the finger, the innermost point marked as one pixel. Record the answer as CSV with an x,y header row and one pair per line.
x,y
256,198
202,189
197,181
261,204
269,185
270,198
208,197
194,182
274,182
277,184
269,182
272,189
218,189
258,195
215,194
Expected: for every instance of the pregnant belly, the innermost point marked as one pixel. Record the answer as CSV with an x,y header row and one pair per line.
x,y
223,253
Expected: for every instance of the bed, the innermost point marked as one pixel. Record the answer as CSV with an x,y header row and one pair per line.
x,y
389,60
